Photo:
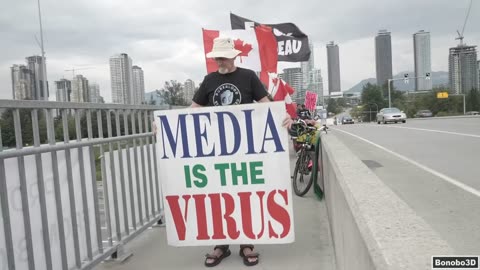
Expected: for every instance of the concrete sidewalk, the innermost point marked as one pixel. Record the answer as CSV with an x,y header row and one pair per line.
x,y
312,249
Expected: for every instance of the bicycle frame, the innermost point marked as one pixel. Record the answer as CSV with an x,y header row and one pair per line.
x,y
307,162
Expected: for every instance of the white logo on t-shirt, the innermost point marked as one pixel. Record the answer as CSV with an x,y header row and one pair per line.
x,y
226,94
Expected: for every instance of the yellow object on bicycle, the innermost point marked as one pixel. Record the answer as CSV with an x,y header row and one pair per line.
x,y
309,136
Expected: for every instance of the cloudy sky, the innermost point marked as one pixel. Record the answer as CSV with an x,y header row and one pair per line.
x,y
164,37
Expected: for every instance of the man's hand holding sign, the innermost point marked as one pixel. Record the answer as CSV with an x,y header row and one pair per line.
x,y
225,175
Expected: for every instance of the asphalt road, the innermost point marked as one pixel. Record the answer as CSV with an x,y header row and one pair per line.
x,y
433,165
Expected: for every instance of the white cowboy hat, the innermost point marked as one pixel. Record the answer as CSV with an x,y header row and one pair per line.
x,y
223,47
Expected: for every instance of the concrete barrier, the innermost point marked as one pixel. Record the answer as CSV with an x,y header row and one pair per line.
x,y
372,228
445,117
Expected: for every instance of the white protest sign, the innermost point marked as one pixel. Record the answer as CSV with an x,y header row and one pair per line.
x,y
225,174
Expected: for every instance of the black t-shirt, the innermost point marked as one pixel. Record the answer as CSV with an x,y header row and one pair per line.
x,y
239,87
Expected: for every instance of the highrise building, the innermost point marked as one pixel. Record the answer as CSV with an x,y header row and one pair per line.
x,y
64,90
189,89
422,55
294,77
333,59
94,93
383,57
316,84
138,85
463,69
121,75
307,67
22,84
478,77
80,90
37,68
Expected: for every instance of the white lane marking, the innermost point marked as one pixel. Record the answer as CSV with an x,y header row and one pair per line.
x,y
434,130
448,179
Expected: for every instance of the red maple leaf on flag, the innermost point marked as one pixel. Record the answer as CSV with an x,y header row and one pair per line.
x,y
240,45
275,81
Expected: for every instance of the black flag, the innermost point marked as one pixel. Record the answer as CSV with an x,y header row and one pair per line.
x,y
292,42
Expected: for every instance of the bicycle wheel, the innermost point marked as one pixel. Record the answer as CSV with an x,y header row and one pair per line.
x,y
302,174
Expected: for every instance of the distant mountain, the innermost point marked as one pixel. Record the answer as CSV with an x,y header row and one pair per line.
x,y
439,78
359,86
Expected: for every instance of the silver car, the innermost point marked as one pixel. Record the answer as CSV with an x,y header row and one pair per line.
x,y
424,113
386,115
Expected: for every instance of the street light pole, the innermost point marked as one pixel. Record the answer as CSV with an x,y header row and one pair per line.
x,y
45,90
389,96
370,111
369,114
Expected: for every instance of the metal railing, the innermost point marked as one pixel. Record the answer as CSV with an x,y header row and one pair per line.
x,y
71,200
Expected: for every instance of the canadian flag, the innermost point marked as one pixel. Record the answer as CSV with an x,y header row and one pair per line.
x,y
259,53
258,46
280,90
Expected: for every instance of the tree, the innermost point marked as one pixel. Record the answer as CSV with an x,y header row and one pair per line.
x,y
59,132
332,106
341,102
356,112
372,94
453,105
152,102
8,127
473,100
371,100
172,93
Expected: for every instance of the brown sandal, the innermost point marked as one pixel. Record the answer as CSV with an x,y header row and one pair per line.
x,y
251,255
217,259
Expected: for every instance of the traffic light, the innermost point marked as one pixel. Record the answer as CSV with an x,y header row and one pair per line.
x,y
427,76
405,78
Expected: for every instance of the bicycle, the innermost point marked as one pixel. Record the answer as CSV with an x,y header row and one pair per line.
x,y
302,135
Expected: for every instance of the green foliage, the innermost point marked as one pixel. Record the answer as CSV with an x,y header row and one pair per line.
x,y
59,133
371,101
448,113
8,127
372,94
6,124
412,102
332,106
341,102
357,112
172,93
473,100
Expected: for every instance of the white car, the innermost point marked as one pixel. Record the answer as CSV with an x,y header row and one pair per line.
x,y
386,115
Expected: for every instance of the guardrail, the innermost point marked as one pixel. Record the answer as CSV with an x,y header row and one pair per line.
x,y
372,228
72,200
444,117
